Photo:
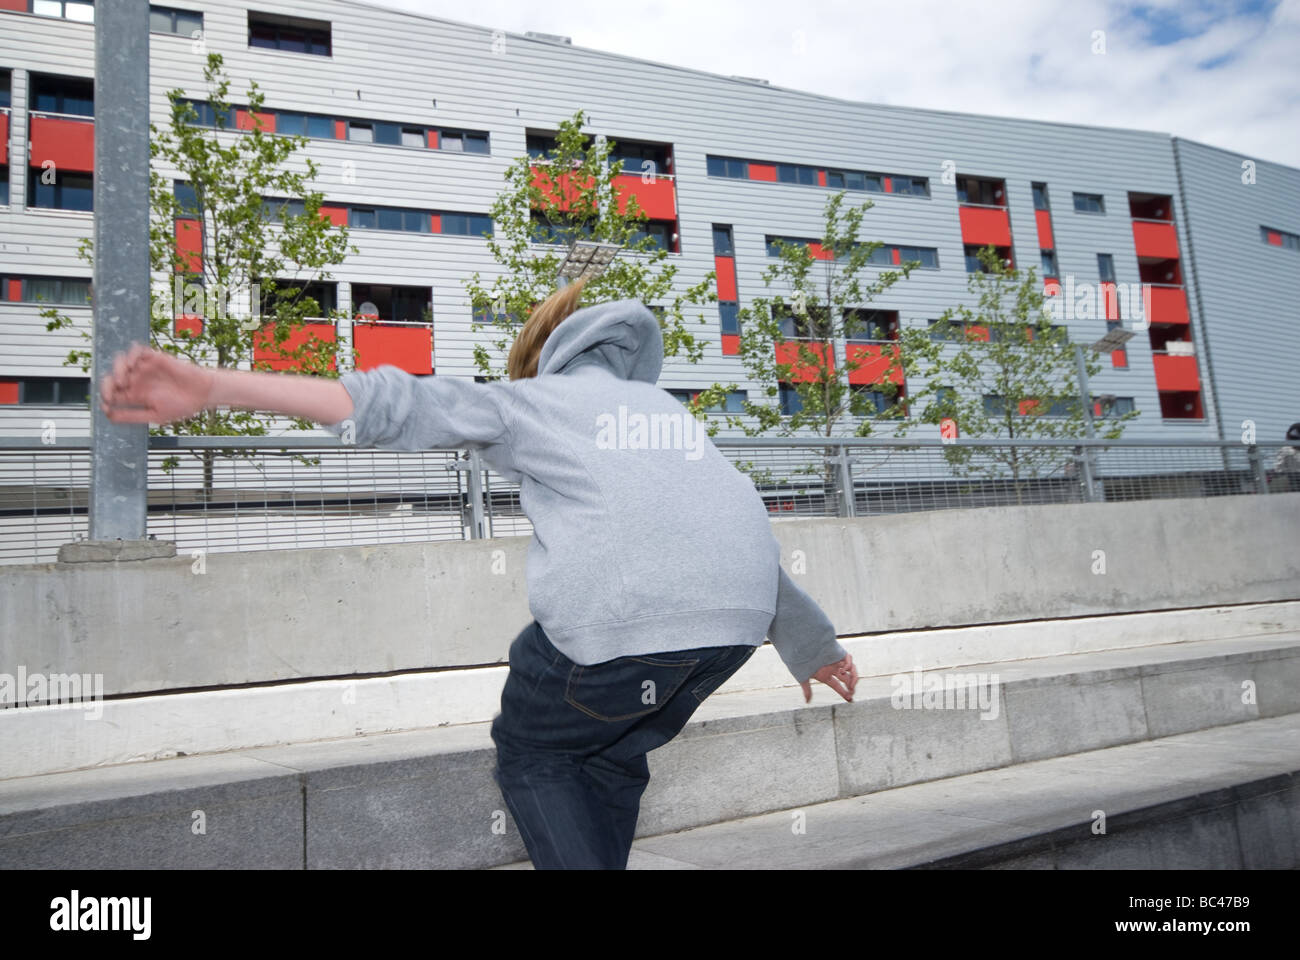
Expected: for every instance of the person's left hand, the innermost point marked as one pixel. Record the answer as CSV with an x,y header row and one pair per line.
x,y
841,676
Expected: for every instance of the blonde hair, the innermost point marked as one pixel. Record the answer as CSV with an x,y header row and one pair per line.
x,y
545,317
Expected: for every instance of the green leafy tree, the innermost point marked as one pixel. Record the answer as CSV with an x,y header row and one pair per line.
x,y
261,240
550,202
815,330
1008,372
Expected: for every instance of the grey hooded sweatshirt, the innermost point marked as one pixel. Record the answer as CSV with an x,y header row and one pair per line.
x,y
646,539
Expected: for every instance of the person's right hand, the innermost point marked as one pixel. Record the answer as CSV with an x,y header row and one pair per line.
x,y
841,676
150,386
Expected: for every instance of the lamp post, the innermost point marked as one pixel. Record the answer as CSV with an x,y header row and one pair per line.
x,y
1113,340
587,259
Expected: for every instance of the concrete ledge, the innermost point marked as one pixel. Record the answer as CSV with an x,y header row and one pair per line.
x,y
426,798
54,739
107,551
1222,799
166,624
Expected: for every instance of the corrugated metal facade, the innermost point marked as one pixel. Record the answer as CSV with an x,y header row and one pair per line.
x,y
392,66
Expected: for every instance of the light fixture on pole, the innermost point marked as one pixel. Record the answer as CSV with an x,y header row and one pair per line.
x,y
587,259
1113,340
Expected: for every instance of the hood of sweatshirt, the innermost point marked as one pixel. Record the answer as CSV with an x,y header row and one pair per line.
x,y
623,336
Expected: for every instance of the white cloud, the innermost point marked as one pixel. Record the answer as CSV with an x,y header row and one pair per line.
x,y
1020,58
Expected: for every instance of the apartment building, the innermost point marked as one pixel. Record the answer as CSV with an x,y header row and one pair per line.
x,y
413,121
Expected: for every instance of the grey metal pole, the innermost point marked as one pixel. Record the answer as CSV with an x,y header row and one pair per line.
x,y
119,452
1089,474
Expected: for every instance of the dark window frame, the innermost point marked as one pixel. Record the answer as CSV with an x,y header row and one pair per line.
x,y
279,28
1087,198
174,13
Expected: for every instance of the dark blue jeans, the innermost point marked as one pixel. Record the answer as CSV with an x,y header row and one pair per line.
x,y
572,742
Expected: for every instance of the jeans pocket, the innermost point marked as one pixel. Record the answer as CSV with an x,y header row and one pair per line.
x,y
717,678
626,688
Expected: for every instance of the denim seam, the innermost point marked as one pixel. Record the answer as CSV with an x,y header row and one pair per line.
x,y
576,674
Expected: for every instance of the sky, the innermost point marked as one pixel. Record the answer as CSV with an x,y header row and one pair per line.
x,y
1223,72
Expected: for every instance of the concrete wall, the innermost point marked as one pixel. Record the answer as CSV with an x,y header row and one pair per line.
x,y
157,625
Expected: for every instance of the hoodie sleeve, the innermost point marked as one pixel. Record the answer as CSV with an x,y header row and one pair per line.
x,y
394,409
801,632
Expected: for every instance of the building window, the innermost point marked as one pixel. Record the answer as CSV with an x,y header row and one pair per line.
x,y
4,186
981,191
304,125
796,173
182,23
733,402
928,257
207,116
6,81
467,224
876,399
1106,267
812,325
855,180
392,303
65,191
1049,262
54,391
74,96
463,141
290,292
363,132
722,246
868,326
413,137
69,291
540,145
1040,196
81,11
1089,203
951,330
1279,238
789,399
1114,406
636,156
273,31
729,314
278,209
910,186
728,167
659,231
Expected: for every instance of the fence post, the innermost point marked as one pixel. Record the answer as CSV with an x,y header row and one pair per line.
x,y
476,530
1257,468
848,507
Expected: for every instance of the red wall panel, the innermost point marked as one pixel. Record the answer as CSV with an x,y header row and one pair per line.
x,y
788,352
1176,373
189,245
69,143
410,348
1168,305
725,267
658,199
264,349
984,225
730,344
335,215
1045,239
247,120
874,362
8,391
4,138
762,171
1155,240
432,137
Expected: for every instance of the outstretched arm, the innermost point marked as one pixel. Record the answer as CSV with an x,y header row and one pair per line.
x,y
150,386
805,638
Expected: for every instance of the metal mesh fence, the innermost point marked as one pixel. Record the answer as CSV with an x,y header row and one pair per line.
x,y
227,494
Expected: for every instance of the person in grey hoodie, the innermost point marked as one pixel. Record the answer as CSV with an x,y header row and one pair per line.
x,y
652,572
